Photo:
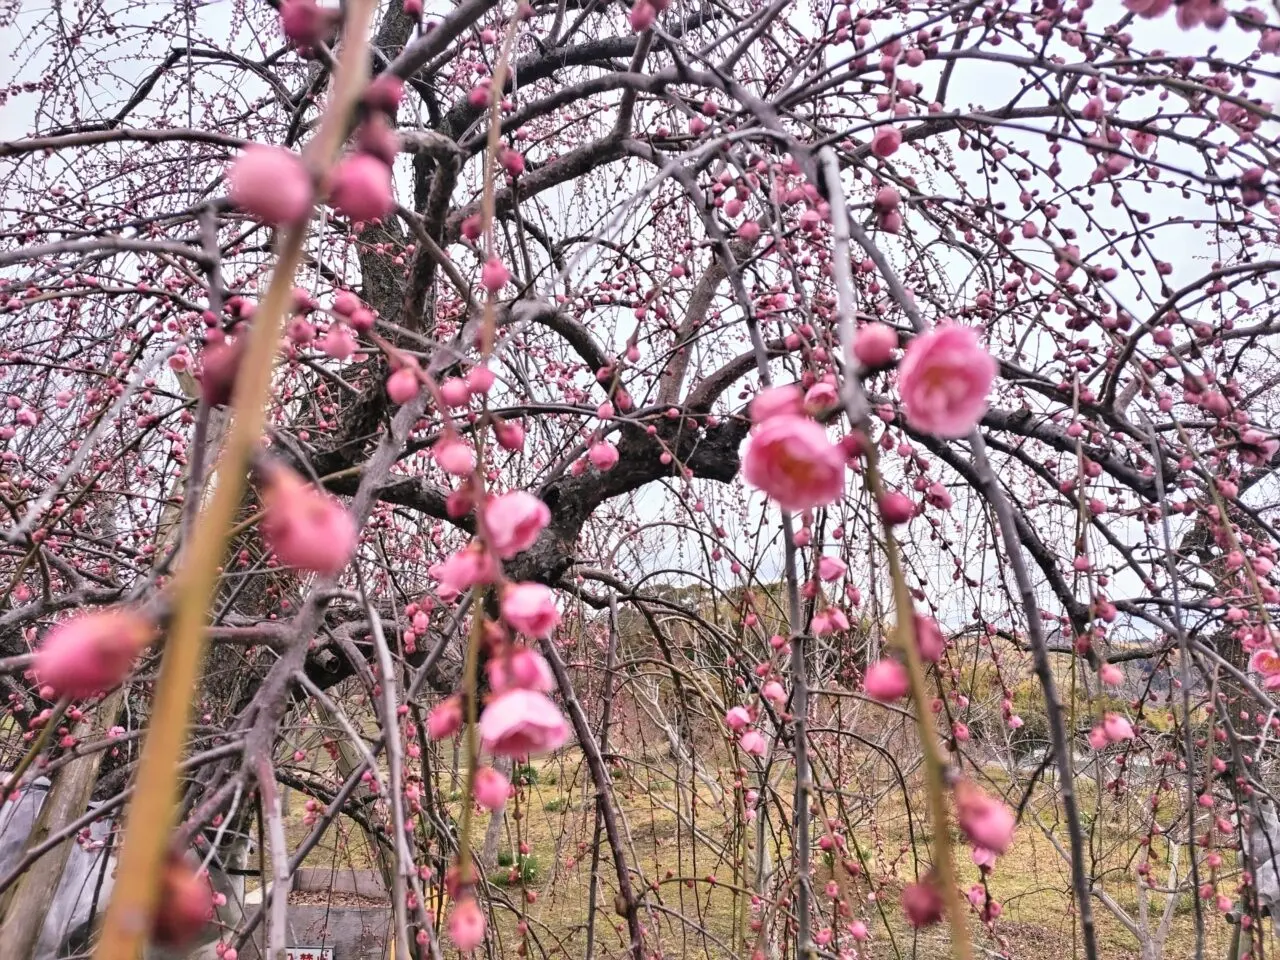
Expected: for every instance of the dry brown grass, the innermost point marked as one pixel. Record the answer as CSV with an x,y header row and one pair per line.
x,y
556,822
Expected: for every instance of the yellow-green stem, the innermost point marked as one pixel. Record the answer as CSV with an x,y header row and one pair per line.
x,y
151,815
934,768
470,684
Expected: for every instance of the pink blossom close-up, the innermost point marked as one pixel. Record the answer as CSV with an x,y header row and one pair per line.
x,y
793,462
520,723
944,380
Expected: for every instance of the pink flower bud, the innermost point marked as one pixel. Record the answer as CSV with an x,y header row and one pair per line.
x,y
466,925
184,908
306,24
874,345
92,652
490,788
603,455
376,137
219,366
896,508
985,820
304,527
922,903
510,434
887,198
886,141
929,640
512,162
455,392
402,386
445,718
384,92
494,275
480,379
454,456
361,188
271,184
642,16
886,681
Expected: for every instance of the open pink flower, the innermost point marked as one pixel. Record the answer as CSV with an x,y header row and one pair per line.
x,y
1116,727
793,462
92,652
463,570
338,343
304,527
530,608
820,398
271,184
514,521
491,788
831,568
522,722
520,669
752,743
445,718
944,379
1265,661
774,692
737,719
986,821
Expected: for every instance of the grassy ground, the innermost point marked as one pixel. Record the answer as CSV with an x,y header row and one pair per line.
x,y
556,823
